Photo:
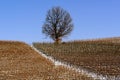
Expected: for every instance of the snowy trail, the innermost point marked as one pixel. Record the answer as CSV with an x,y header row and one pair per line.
x,y
81,70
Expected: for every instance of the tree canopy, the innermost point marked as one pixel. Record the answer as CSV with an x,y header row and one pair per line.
x,y
58,24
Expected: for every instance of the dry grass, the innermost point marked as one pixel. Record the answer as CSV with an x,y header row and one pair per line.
x,y
99,56
18,61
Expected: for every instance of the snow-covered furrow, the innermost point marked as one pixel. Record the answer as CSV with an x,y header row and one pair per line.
x,y
80,69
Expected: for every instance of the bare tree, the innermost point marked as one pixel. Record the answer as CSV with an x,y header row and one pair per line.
x,y
58,24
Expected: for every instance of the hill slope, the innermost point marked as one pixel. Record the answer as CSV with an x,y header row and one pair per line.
x,y
101,56
18,61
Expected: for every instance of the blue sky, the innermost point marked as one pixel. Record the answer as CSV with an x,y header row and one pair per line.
x,y
23,19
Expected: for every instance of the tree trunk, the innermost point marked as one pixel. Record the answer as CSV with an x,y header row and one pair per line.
x,y
58,41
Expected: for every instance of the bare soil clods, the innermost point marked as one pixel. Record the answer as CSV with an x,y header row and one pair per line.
x,y
18,61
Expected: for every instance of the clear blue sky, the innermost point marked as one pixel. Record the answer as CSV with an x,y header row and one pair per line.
x,y
22,19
